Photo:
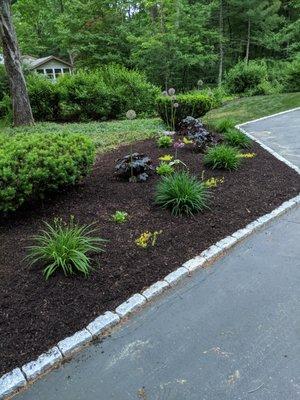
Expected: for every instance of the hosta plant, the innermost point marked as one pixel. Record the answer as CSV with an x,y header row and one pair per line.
x,y
65,247
164,169
164,141
182,194
236,138
222,157
134,167
120,217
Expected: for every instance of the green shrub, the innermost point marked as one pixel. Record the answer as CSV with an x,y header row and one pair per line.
x,y
237,138
65,247
292,76
4,84
182,194
246,78
222,157
33,164
164,169
103,94
130,90
224,124
84,96
164,141
194,104
44,98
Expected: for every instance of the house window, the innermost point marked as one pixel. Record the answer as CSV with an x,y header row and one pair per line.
x,y
66,70
40,71
58,71
49,73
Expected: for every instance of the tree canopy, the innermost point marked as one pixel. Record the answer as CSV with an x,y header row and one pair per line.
x,y
175,42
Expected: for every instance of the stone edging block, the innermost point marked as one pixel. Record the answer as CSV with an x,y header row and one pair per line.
x,y
11,381
72,343
130,305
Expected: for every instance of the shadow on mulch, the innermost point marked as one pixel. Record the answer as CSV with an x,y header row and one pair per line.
x,y
35,314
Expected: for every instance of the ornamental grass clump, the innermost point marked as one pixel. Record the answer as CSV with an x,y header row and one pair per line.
x,y
236,138
65,247
181,193
223,157
224,125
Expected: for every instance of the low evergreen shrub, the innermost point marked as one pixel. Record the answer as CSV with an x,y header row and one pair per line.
x,y
33,164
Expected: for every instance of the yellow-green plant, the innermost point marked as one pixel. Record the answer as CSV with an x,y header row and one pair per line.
x,y
147,238
213,182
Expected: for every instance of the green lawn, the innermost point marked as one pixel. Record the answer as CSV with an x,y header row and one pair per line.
x,y
248,108
109,135
106,135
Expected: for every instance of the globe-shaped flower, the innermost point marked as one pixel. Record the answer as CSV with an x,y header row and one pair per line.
x,y
131,114
171,91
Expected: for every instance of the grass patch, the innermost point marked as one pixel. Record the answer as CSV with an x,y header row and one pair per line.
x,y
249,108
105,135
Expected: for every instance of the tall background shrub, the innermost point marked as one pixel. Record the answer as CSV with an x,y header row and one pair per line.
x,y
102,94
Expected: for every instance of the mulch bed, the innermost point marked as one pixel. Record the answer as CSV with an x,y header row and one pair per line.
x,y
35,314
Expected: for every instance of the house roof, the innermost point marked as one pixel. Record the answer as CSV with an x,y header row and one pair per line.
x,y
37,62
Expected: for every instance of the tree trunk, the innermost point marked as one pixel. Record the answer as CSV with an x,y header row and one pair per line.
x,y
22,114
221,49
248,41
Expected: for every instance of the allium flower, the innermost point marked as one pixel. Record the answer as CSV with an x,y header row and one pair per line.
x,y
200,82
178,144
164,93
171,91
175,105
131,114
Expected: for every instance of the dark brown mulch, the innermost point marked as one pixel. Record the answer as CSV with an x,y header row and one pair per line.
x,y
35,314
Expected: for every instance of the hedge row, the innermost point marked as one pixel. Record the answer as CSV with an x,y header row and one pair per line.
x,y
104,94
33,164
194,104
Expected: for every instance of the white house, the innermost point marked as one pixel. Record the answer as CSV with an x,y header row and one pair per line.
x,y
50,66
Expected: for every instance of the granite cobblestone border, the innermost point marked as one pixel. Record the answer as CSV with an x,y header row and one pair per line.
x,y
19,378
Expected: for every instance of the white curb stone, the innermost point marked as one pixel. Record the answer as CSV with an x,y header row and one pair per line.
x,y
297,199
194,263
242,233
175,276
72,343
210,253
100,324
253,226
265,218
42,363
130,305
155,289
11,381
227,242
